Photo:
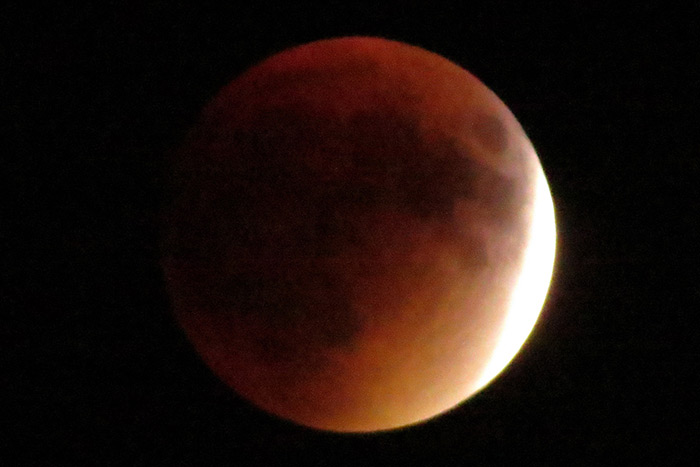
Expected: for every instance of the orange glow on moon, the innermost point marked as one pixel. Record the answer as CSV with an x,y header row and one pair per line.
x,y
359,235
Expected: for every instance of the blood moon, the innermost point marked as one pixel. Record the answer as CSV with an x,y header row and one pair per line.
x,y
359,235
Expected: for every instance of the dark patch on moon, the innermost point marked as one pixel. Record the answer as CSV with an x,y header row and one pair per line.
x,y
490,132
257,214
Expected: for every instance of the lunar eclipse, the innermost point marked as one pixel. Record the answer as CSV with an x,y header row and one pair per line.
x,y
359,235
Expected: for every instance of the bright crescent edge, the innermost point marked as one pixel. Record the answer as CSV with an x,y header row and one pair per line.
x,y
528,297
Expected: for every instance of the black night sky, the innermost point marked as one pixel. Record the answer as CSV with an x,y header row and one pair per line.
x,y
98,373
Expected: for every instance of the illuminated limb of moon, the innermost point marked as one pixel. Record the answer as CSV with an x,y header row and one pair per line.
x,y
531,288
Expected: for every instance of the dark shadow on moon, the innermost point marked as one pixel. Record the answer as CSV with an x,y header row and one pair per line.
x,y
257,216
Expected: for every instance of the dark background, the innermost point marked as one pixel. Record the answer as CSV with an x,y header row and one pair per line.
x,y
94,97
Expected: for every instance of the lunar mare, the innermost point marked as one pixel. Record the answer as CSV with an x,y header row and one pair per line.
x,y
359,235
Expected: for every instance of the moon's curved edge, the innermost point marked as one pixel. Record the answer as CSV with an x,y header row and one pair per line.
x,y
530,292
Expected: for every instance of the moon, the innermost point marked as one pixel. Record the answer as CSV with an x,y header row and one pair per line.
x,y
358,235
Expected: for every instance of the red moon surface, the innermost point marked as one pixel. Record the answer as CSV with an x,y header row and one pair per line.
x,y
359,235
